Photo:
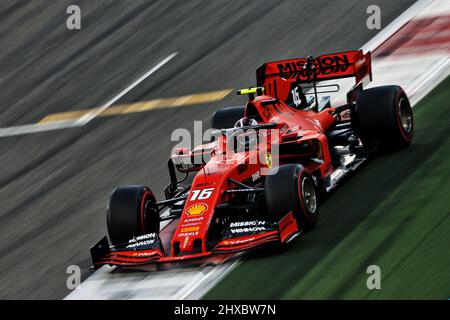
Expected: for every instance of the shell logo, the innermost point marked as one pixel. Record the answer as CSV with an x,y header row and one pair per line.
x,y
197,209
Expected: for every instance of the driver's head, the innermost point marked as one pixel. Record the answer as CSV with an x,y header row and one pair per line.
x,y
245,122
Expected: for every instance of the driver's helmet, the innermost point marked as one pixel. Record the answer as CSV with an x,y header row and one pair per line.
x,y
245,122
248,139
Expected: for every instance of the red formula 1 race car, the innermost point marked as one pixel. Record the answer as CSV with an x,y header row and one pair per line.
x,y
260,180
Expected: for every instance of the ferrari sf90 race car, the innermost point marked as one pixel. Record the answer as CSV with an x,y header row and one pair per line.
x,y
261,178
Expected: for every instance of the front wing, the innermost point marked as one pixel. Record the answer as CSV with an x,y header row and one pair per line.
x,y
238,237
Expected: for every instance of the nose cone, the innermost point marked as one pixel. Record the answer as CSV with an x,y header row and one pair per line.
x,y
192,229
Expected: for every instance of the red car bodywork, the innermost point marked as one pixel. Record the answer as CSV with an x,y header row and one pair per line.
x,y
188,236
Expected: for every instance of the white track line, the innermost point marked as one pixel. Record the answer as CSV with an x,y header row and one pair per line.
x,y
213,277
433,77
85,119
34,128
195,283
91,115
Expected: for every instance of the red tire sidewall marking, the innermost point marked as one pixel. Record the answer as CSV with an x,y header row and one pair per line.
x,y
300,177
146,194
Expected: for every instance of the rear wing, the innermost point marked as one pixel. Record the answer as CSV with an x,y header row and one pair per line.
x,y
306,70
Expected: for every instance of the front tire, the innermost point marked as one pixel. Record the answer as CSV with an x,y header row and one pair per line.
x,y
131,212
383,116
292,189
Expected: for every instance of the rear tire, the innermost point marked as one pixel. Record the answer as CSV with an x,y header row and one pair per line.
x,y
292,189
128,216
383,116
227,117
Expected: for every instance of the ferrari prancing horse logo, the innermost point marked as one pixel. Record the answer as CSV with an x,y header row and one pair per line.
x,y
269,160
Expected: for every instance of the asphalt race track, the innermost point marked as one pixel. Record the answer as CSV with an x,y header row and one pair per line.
x,y
54,185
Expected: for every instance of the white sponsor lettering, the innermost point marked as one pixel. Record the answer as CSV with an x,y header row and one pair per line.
x,y
192,220
245,230
187,234
143,237
247,223
141,243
